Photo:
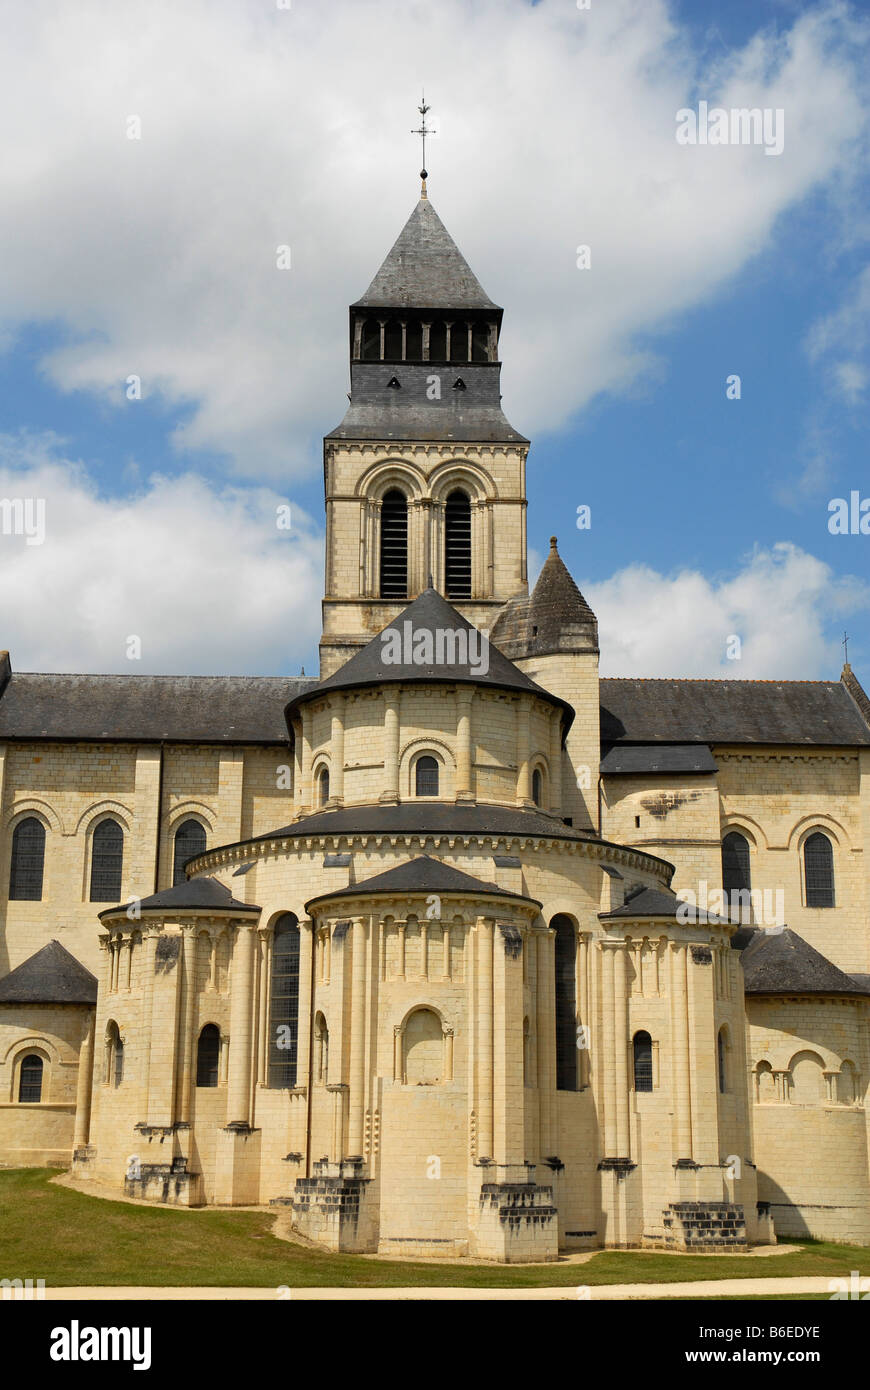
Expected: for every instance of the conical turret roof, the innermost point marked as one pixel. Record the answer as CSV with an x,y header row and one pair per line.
x,y
425,270
556,616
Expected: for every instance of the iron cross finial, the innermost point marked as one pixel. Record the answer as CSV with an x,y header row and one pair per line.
x,y
423,131
846,647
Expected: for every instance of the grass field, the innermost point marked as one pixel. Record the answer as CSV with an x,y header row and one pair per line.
x,y
67,1238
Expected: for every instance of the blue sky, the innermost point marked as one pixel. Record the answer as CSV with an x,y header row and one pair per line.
x,y
621,387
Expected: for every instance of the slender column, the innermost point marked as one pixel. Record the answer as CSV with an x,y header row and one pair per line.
x,y
546,1042
336,783
129,969
401,969
397,1053
485,1036
583,1000
187,1044
83,1086
680,1029
357,1040
464,789
391,747
556,765
448,1054
445,948
263,934
306,1002
607,990
305,767
424,949
241,1021
150,944
620,1051
524,795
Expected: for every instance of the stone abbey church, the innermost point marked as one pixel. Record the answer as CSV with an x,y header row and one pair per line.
x,y
405,948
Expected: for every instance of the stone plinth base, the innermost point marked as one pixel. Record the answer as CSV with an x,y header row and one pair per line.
x,y
336,1207
517,1221
704,1226
237,1166
169,1183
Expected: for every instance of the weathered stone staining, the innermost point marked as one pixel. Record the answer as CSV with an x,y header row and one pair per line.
x,y
407,948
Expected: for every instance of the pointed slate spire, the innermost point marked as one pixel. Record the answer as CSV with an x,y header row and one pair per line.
x,y
556,616
425,269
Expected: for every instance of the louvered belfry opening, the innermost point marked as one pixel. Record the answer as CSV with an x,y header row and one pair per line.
x,y
457,546
394,545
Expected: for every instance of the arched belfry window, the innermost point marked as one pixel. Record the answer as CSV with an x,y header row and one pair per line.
x,y
438,342
189,841
643,1061
208,1050
480,342
819,870
370,346
394,545
735,871
323,786
537,783
426,776
107,862
28,860
566,1004
414,341
30,1079
284,1012
393,341
457,545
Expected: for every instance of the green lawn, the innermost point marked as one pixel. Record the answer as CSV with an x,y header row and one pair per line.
x,y
66,1238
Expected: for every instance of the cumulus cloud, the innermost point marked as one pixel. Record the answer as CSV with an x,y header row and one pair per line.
x,y
780,604
203,576
267,127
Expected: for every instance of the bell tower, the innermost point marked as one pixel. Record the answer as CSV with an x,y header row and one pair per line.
x,y
424,476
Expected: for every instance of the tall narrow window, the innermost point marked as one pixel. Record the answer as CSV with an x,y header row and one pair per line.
x,y
426,776
107,862
114,1055
189,841
536,786
323,786
370,346
414,342
30,1079
284,1013
208,1051
819,870
438,342
721,1060
735,875
566,1004
394,545
28,860
643,1068
457,545
393,341
480,342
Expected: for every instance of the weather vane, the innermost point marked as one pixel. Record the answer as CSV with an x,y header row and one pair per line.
x,y
423,131
846,647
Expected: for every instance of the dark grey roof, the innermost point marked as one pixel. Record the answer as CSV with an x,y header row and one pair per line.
x,y
425,270
555,617
667,757
468,412
51,976
421,875
781,962
430,613
712,711
148,709
427,818
655,902
206,894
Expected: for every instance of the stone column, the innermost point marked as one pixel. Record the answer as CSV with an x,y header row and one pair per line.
x,y
545,1029
238,1091
357,1040
620,1052
556,765
188,1045
264,935
464,787
524,796
150,950
305,761
607,1013
390,794
508,1097
485,1037
83,1086
680,1037
306,1002
336,783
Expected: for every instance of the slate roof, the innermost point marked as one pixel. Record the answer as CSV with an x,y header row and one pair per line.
x,y
654,902
555,617
51,976
427,818
195,893
783,963
624,759
148,709
421,875
714,711
428,613
425,270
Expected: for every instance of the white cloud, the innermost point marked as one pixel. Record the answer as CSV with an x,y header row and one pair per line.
x,y
780,604
263,126
202,575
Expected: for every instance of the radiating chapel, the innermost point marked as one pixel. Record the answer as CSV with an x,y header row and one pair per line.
x,y
439,951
